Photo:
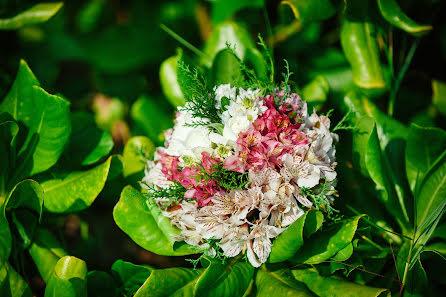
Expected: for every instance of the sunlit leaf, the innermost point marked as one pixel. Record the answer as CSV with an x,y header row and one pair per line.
x,y
289,242
69,278
169,81
88,144
279,282
327,242
424,147
137,150
334,287
38,13
169,282
45,251
45,116
358,40
392,12
142,220
130,276
74,191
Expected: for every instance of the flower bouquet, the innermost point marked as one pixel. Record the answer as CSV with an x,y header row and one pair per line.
x,y
240,166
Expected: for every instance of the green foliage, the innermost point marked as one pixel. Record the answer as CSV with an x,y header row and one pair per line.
x,y
354,57
142,220
38,13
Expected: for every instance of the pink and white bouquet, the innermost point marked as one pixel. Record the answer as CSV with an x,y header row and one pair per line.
x,y
241,166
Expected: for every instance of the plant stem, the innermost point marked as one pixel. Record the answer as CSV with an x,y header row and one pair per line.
x,y
184,42
400,76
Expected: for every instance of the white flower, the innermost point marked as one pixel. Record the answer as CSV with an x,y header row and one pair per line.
x,y
234,126
224,91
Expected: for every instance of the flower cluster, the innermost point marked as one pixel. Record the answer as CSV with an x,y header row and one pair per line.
x,y
244,179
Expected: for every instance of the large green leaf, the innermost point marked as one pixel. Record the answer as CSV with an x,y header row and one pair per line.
x,y
142,220
313,10
424,147
8,132
392,12
169,81
224,9
137,150
69,278
335,287
129,276
38,13
326,243
363,128
11,283
169,282
430,203
226,68
88,144
231,278
358,40
239,39
45,116
379,170
289,242
279,282
76,190
45,252
150,118
26,194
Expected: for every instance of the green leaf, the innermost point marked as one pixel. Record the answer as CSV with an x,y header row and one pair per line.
x,y
279,282
169,282
224,9
439,95
150,118
358,40
137,150
231,278
316,92
363,128
46,117
45,252
430,203
38,13
326,243
142,220
424,147
129,276
101,284
392,12
88,144
26,194
169,81
75,191
289,242
11,283
226,68
334,287
8,133
344,254
69,278
312,10
379,170
239,39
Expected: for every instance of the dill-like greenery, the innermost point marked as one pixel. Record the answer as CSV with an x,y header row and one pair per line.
x,y
196,91
227,179
174,192
321,200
